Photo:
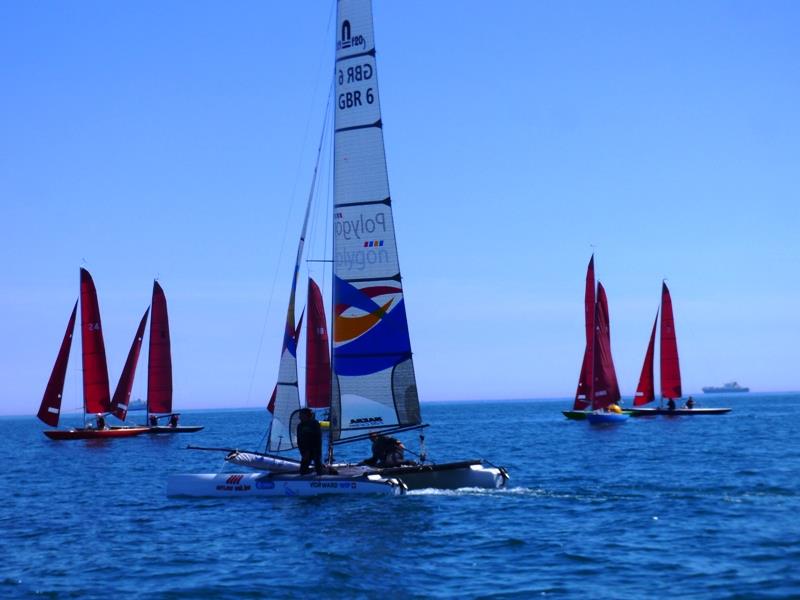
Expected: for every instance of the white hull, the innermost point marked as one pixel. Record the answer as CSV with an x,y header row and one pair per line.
x,y
239,485
262,462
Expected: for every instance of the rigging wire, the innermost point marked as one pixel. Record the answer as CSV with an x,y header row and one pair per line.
x,y
293,202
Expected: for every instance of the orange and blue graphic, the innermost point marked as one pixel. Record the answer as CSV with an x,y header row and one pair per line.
x,y
373,244
373,341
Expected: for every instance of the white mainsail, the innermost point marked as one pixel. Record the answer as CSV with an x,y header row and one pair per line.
x,y
373,375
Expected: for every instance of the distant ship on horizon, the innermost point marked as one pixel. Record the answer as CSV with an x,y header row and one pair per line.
x,y
726,388
140,404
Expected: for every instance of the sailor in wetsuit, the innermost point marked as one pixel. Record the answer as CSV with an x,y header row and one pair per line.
x,y
309,442
386,452
671,404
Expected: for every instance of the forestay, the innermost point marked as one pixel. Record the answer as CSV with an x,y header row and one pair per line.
x,y
373,375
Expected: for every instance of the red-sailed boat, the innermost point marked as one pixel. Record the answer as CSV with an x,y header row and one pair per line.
x,y
96,396
670,371
159,371
597,384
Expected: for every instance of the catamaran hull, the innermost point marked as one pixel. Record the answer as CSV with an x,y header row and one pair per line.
x,y
241,485
449,476
158,429
678,412
264,462
446,476
93,434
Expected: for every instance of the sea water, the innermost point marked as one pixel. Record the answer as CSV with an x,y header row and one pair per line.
x,y
697,507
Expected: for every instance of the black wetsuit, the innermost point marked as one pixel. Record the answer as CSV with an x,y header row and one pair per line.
x,y
383,448
309,442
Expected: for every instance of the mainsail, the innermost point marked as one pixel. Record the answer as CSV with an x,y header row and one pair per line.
x,y
159,359
583,395
122,395
645,391
50,408
611,372
373,374
318,360
96,395
604,390
670,366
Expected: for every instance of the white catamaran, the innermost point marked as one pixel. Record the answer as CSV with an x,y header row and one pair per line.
x,y
372,382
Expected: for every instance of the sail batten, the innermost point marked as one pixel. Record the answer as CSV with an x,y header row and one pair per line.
x,y
122,394
373,385
96,394
50,408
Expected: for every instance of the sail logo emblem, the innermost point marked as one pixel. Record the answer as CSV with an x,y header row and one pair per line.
x,y
347,40
373,244
234,479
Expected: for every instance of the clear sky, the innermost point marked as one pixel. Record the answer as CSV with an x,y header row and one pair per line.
x,y
176,140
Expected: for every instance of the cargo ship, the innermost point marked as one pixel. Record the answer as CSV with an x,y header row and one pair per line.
x,y
725,389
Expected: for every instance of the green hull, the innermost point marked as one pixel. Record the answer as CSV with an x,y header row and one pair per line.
x,y
575,415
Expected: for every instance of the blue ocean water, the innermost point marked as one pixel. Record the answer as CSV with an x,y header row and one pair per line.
x,y
701,507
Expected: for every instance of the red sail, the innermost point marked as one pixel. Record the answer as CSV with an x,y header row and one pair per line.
x,y
611,372
50,408
670,367
645,391
318,361
159,360
583,394
122,395
96,395
604,390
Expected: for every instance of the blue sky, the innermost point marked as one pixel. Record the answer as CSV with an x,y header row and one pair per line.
x,y
176,140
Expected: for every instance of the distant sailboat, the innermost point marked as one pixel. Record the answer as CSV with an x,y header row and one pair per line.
x,y
96,395
373,386
597,385
159,371
669,367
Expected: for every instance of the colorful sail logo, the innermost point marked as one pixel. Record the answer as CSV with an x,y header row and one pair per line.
x,y
349,328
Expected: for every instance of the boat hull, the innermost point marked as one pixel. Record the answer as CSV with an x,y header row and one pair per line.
x,y
580,415
607,418
678,412
741,390
444,476
449,476
242,485
93,434
160,429
575,415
